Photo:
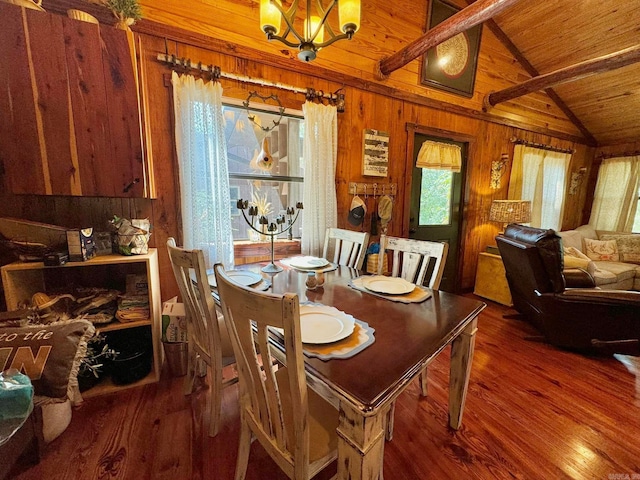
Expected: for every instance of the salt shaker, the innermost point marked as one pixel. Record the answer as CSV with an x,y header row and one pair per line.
x,y
312,282
320,278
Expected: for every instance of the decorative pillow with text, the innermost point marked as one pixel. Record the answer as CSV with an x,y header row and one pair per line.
x,y
49,355
606,250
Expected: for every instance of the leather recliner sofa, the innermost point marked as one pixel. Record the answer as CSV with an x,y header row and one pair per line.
x,y
584,319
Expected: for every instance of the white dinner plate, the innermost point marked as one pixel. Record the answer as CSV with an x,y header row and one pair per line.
x,y
308,262
387,285
239,276
322,324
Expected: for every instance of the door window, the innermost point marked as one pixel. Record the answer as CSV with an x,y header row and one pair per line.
x,y
435,197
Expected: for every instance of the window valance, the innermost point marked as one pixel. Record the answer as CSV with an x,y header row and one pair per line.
x,y
440,156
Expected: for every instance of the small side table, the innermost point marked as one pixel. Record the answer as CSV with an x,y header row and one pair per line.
x,y
491,280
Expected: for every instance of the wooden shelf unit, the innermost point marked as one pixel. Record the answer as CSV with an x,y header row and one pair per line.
x,y
22,279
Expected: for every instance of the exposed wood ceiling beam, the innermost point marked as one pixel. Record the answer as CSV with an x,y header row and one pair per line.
x,y
471,16
531,70
578,71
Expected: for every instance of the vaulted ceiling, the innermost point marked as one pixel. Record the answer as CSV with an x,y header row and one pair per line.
x,y
553,34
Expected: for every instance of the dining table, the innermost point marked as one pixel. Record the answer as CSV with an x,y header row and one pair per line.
x,y
407,337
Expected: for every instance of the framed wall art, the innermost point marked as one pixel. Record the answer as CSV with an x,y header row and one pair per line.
x,y
375,157
451,66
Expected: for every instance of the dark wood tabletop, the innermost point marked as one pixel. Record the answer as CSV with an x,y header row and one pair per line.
x,y
407,336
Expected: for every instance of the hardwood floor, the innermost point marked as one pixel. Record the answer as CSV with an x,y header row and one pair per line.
x,y
532,412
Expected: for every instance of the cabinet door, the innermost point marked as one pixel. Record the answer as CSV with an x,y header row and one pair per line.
x,y
19,126
70,110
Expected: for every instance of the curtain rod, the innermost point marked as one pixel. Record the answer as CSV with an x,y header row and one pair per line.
x,y
542,146
621,154
181,63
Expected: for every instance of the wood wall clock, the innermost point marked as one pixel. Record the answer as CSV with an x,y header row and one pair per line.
x,y
451,66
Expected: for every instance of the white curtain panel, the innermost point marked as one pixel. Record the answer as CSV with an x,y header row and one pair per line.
x,y
616,196
203,171
540,176
320,151
554,172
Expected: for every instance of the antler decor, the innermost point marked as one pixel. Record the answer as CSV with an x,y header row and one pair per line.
x,y
252,118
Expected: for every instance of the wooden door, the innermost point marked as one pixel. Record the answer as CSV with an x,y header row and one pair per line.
x,y
435,207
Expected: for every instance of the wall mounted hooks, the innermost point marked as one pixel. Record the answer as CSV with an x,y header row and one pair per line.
x,y
358,188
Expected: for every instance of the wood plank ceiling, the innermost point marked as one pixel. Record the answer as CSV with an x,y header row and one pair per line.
x,y
550,35
553,34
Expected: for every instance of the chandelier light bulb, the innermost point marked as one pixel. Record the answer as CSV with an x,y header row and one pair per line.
x,y
270,17
316,32
349,15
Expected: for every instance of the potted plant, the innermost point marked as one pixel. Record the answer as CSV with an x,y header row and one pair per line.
x,y
126,11
94,364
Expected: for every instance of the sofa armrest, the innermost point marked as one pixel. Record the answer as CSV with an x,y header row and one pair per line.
x,y
578,278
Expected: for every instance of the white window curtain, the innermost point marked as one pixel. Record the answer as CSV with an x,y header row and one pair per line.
x,y
540,176
320,151
203,171
616,196
440,156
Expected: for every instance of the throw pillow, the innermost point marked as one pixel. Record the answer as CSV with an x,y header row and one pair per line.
x,y
49,355
606,250
574,252
628,247
587,231
571,238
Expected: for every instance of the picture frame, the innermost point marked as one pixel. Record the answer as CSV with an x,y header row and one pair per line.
x,y
375,153
451,66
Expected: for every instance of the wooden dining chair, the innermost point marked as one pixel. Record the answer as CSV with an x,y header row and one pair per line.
x,y
208,339
418,261
348,247
294,425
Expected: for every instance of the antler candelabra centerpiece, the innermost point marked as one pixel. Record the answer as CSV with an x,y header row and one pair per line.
x,y
273,229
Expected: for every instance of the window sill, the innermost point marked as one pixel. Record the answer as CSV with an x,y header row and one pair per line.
x,y
246,251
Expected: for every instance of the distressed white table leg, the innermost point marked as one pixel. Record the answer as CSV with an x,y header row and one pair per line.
x,y
360,444
460,370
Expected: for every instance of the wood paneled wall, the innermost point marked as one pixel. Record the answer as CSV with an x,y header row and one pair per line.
x,y
368,106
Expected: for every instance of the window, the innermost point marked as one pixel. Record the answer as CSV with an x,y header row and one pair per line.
x,y
616,195
435,197
636,221
539,175
273,190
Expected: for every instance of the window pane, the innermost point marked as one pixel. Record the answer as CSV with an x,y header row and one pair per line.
x,y
244,142
272,198
636,221
435,197
247,181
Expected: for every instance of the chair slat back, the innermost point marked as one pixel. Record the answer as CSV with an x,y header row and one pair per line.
x,y
248,315
417,261
200,308
349,247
